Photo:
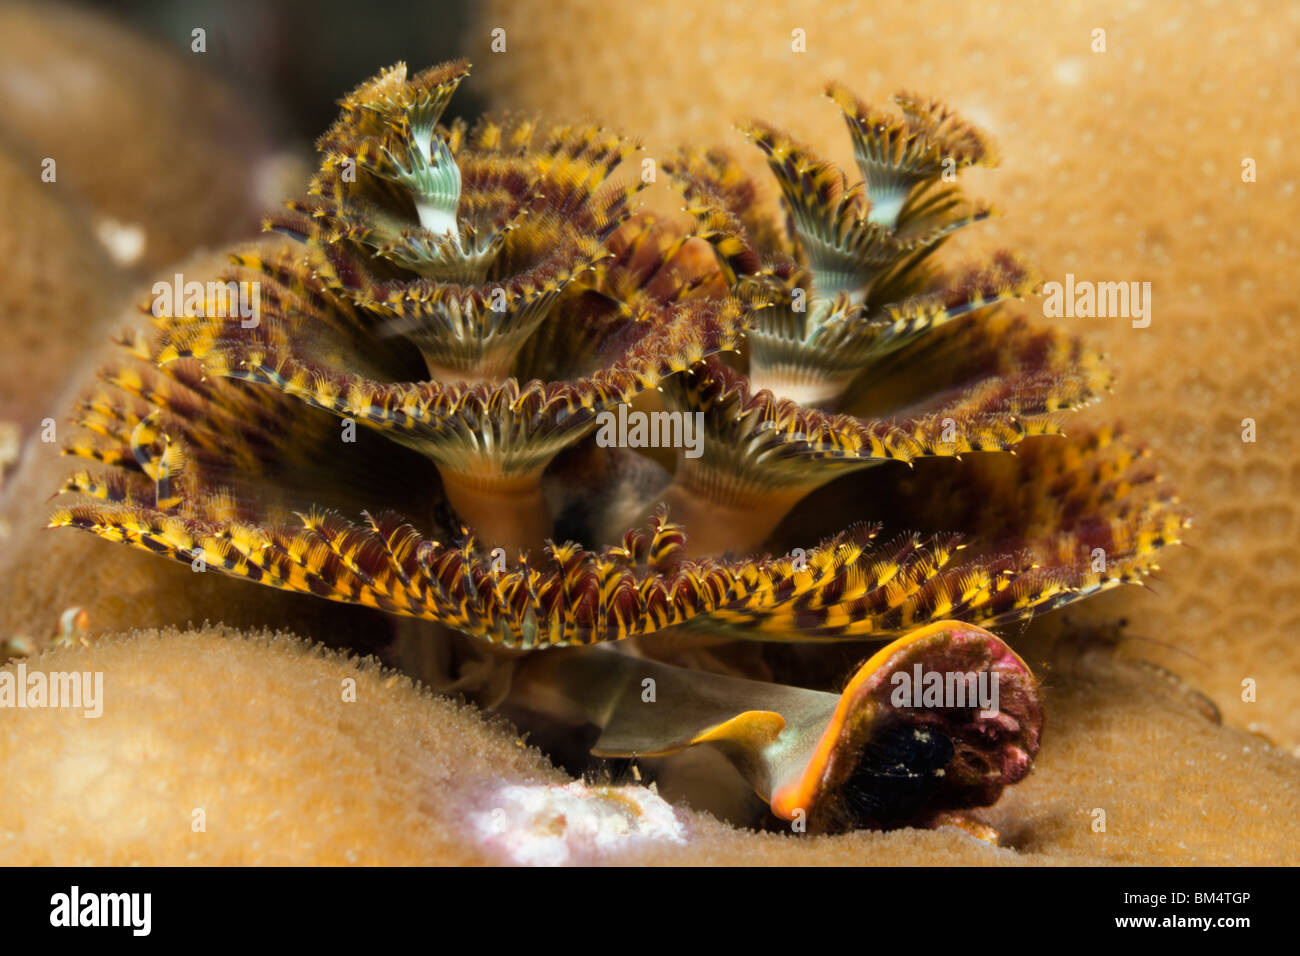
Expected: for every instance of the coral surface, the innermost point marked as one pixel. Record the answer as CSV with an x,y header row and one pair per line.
x,y
260,735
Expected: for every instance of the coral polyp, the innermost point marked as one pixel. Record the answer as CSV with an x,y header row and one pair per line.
x,y
412,424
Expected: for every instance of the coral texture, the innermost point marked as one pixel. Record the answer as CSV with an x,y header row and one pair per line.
x,y
292,755
256,732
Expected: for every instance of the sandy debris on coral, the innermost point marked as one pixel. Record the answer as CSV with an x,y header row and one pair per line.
x,y
557,824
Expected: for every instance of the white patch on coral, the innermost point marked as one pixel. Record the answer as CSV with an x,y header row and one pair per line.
x,y
24,86
1069,72
552,825
124,241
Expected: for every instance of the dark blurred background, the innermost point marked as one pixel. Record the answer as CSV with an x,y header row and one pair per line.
x,y
295,58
